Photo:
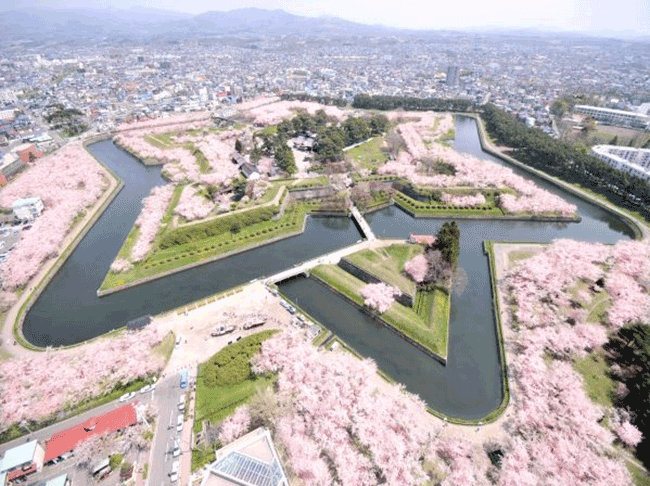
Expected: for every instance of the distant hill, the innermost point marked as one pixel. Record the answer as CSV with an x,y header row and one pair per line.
x,y
82,23
20,19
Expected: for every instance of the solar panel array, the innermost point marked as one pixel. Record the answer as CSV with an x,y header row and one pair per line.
x,y
249,470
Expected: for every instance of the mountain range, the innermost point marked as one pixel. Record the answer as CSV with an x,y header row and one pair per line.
x,y
38,23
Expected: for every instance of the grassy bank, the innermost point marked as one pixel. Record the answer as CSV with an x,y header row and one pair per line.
x,y
432,334
369,155
387,264
434,208
207,249
224,382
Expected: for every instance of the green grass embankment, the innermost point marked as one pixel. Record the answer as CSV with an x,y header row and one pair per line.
x,y
387,264
225,382
403,319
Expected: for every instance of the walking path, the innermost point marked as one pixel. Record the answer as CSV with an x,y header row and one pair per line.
x,y
363,224
330,258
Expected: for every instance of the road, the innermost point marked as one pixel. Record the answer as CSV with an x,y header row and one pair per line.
x,y
168,394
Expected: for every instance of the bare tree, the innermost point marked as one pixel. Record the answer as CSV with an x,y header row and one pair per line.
x,y
394,143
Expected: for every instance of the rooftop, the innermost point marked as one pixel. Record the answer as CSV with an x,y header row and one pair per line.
x,y
251,460
18,455
67,440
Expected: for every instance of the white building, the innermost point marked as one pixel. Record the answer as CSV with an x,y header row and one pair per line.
x,y
634,161
28,208
23,459
610,116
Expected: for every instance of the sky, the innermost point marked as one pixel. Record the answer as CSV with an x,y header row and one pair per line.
x,y
588,16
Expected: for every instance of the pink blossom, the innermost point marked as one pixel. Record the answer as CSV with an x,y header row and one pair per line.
x,y
627,433
120,265
68,182
153,209
165,121
464,201
235,426
470,171
274,113
31,391
379,296
192,205
417,267
334,406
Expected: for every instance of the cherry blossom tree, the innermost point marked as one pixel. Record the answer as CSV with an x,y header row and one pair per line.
x,y
379,296
30,391
154,207
121,265
235,425
68,182
336,416
464,201
192,205
417,267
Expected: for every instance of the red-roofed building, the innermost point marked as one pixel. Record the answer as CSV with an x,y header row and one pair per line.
x,y
422,239
69,439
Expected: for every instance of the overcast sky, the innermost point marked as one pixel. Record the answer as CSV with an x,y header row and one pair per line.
x,y
632,16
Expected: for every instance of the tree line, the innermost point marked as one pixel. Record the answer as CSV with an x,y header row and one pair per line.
x,y
384,102
323,100
330,137
564,160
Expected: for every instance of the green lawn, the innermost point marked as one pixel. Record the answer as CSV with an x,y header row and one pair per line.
x,y
640,477
166,346
178,256
432,334
369,155
598,307
387,264
214,402
595,373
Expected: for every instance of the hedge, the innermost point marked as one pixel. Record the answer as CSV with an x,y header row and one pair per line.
x,y
233,223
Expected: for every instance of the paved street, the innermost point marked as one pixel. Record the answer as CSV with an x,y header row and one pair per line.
x,y
168,393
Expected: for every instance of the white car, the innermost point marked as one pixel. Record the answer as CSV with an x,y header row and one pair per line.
x,y
179,423
127,396
147,388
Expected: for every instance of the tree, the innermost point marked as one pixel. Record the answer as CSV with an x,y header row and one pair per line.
x,y
238,146
559,108
614,140
448,242
284,158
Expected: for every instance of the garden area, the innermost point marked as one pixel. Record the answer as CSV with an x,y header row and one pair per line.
x,y
225,382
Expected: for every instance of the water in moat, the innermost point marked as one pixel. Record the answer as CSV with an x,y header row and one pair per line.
x,y
469,386
69,311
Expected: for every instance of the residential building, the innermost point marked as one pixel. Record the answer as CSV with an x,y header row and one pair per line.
x,y
250,460
69,439
27,209
453,76
610,116
22,460
634,161
27,152
10,164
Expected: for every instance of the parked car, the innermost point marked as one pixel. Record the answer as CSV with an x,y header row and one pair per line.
x,y
173,476
179,423
147,388
127,396
221,330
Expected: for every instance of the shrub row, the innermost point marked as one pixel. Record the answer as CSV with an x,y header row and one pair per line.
x,y
232,223
231,365
207,249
